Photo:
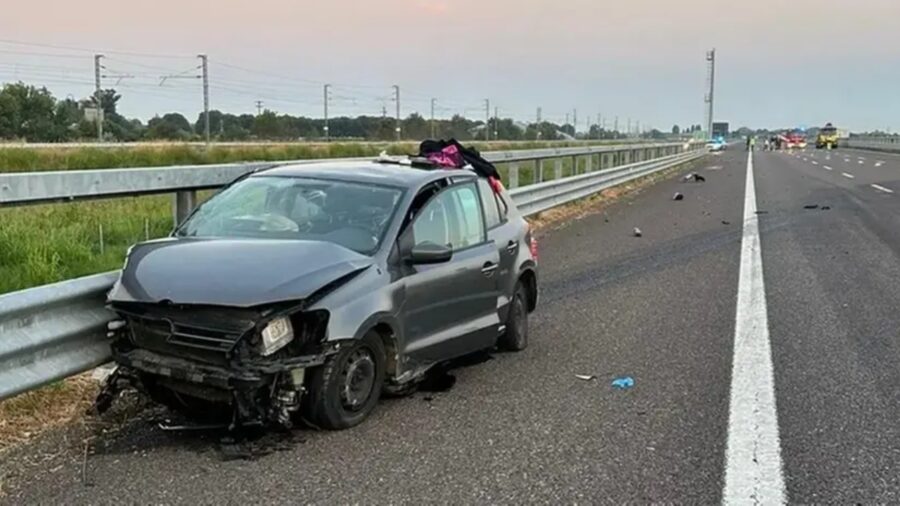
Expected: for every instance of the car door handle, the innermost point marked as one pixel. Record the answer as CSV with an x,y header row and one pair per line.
x,y
488,269
512,246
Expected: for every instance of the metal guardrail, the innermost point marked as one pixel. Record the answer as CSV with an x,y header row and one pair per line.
x,y
51,332
18,188
54,331
540,197
888,144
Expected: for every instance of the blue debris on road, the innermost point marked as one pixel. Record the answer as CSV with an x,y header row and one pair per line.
x,y
624,382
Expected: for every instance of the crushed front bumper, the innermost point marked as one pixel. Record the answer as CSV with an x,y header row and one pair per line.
x,y
266,391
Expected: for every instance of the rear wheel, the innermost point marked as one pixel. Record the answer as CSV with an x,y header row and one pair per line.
x,y
345,390
515,337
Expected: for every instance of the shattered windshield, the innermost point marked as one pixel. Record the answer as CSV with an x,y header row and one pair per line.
x,y
352,215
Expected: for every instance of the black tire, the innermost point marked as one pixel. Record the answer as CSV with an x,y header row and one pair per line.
x,y
515,337
346,388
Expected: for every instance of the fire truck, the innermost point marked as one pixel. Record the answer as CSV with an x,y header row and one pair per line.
x,y
828,137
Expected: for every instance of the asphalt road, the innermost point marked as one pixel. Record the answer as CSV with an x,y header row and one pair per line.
x,y
521,428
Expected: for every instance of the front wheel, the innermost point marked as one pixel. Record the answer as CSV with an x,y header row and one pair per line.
x,y
345,390
515,337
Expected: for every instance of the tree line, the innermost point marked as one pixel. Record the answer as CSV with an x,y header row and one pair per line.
x,y
33,114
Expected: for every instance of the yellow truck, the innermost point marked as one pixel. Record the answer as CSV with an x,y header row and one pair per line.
x,y
827,138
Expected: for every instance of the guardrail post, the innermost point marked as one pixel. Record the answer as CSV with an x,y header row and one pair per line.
x,y
589,163
539,170
557,169
182,205
513,175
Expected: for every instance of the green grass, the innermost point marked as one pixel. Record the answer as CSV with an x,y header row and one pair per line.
x,y
48,243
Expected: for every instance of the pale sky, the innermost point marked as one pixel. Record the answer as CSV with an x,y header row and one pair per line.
x,y
780,63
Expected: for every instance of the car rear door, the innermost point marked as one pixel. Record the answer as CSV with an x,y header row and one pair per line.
x,y
509,237
450,308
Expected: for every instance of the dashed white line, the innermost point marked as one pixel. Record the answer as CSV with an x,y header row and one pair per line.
x,y
881,188
848,176
753,471
879,163
862,162
815,162
827,167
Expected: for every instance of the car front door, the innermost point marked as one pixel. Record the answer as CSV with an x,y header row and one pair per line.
x,y
450,308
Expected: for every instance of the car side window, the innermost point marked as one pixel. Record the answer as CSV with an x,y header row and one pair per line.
x,y
452,218
489,204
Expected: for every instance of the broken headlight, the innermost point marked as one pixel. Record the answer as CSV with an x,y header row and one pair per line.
x,y
276,335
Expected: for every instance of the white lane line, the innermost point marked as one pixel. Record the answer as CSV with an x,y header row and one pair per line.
x,y
815,162
848,176
753,456
862,162
879,163
881,188
827,167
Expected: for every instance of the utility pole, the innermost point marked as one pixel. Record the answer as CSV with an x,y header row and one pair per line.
x,y
496,122
97,58
205,65
710,95
259,106
487,119
397,99
538,124
629,128
539,115
616,125
326,113
575,122
433,100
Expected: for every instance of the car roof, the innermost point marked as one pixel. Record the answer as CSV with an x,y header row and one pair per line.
x,y
391,174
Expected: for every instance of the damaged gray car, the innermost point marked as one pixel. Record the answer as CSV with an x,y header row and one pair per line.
x,y
307,291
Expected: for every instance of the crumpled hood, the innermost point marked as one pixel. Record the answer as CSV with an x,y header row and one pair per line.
x,y
232,272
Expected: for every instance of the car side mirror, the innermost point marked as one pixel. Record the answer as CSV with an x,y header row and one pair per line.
x,y
429,253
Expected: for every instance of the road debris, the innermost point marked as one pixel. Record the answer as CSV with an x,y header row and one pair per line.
x,y
811,206
825,208
726,222
637,232
693,176
762,212
586,377
677,196
623,383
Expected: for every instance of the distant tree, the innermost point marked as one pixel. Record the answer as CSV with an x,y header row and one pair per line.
x,y
109,101
172,126
676,130
415,127
28,112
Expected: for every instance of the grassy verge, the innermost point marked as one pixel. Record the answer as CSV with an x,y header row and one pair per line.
x,y
25,416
